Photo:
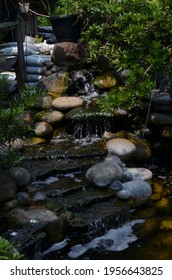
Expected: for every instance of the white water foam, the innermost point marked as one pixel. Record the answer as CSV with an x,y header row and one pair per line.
x,y
114,240
47,181
56,247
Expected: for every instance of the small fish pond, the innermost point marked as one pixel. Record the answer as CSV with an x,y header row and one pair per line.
x,y
93,223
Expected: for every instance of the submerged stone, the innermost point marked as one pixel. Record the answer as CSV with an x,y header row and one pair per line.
x,y
164,205
147,229
158,191
166,225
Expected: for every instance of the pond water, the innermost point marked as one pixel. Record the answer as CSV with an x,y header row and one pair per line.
x,y
141,236
100,227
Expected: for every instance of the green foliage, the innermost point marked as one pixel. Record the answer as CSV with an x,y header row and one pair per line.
x,y
116,98
4,83
11,125
62,7
135,35
43,21
66,7
8,250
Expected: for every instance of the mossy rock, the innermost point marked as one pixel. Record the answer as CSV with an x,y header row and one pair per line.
x,y
105,81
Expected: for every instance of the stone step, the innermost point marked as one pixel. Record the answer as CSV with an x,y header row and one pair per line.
x,y
44,168
99,217
42,161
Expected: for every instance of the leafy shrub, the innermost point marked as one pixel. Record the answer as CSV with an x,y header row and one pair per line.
x,y
134,35
8,250
11,127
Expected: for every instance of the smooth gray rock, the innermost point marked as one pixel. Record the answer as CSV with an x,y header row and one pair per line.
x,y
20,175
159,119
127,176
140,173
104,173
43,130
162,98
67,102
39,197
116,186
52,117
138,191
121,147
114,159
23,198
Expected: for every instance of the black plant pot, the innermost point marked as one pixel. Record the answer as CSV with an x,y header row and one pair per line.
x,y
67,28
9,10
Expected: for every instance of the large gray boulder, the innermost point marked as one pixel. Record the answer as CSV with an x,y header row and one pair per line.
x,y
104,173
138,191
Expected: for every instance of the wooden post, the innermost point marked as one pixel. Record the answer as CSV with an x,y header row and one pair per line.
x,y
20,68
